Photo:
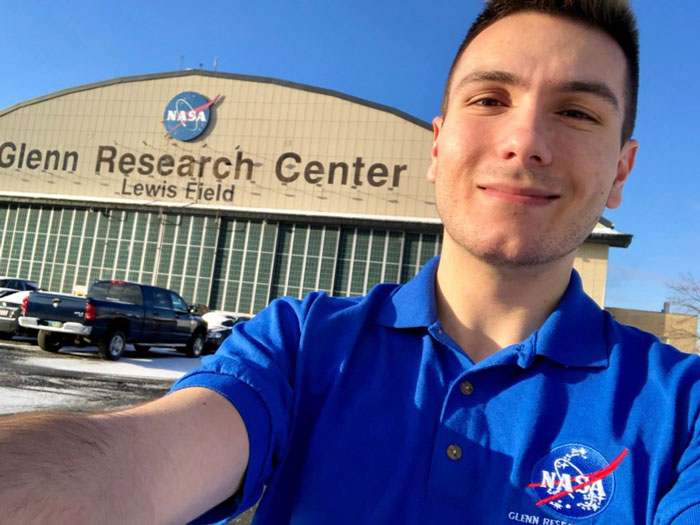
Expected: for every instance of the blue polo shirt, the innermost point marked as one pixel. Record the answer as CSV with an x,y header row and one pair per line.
x,y
363,410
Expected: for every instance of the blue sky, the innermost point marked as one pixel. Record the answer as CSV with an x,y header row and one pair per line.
x,y
395,52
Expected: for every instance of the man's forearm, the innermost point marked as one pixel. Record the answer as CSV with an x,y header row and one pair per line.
x,y
68,468
163,462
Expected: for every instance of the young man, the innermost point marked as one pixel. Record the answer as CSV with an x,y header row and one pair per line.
x,y
489,389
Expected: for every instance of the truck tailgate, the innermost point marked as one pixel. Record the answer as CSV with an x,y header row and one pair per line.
x,y
52,308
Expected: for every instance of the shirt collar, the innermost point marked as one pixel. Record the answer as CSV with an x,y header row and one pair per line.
x,y
573,334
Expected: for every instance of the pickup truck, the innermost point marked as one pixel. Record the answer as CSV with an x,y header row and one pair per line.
x,y
113,314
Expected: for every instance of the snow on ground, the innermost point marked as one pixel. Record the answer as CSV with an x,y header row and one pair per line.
x,y
162,365
34,399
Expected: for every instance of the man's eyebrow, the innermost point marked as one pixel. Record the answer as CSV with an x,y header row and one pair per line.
x,y
502,77
598,89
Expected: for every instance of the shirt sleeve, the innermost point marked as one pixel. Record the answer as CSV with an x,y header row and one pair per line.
x,y
681,504
254,370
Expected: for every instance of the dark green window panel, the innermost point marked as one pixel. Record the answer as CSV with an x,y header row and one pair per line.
x,y
374,274
345,245
98,254
45,279
255,236
13,268
16,244
325,281
193,261
236,262
393,253
378,242
239,234
427,251
147,277
132,276
358,277
24,268
246,300
73,249
175,283
123,255
154,227
262,292
211,230
28,245
136,250
81,276
169,226
66,221
78,223
231,295
68,278
362,245
310,272
187,289
178,259
269,237
162,280
391,273
183,231
197,234
299,242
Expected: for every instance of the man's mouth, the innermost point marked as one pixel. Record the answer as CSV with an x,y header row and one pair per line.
x,y
521,195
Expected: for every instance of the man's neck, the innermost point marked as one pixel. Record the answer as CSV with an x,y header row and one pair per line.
x,y
485,308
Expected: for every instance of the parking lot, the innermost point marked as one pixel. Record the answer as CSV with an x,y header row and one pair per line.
x,y
76,379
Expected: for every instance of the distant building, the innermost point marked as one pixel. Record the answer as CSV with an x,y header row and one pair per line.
x,y
231,190
679,330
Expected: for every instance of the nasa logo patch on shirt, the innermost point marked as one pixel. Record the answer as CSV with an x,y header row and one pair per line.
x,y
574,481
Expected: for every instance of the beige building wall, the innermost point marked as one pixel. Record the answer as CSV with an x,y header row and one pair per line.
x,y
268,147
592,264
679,330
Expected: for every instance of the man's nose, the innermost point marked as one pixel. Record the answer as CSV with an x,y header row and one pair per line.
x,y
526,137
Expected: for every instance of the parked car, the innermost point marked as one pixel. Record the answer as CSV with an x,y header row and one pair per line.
x,y
219,326
10,310
113,314
9,285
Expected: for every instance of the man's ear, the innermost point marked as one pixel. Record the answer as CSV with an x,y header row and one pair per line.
x,y
437,124
624,167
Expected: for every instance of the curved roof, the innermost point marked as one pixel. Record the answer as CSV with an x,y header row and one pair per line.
x,y
217,74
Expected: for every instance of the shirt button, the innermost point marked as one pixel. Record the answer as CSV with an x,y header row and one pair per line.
x,y
466,388
454,452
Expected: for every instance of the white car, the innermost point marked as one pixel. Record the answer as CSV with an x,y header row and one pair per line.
x,y
219,326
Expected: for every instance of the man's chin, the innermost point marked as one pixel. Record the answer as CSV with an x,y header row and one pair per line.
x,y
520,257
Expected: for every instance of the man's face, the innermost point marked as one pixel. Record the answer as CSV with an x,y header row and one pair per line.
x,y
528,153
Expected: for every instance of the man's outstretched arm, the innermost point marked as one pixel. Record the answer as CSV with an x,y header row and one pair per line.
x,y
167,461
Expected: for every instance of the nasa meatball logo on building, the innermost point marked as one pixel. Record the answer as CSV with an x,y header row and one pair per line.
x,y
574,481
187,115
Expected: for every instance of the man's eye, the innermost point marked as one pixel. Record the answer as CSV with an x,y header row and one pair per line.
x,y
576,114
488,102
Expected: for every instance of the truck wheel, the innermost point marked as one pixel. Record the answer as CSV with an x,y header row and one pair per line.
x,y
141,349
112,346
48,341
6,335
196,345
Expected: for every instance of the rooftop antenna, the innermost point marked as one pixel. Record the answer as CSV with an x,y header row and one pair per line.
x,y
182,58
215,63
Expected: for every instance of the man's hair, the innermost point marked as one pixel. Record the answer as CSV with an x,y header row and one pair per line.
x,y
613,17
